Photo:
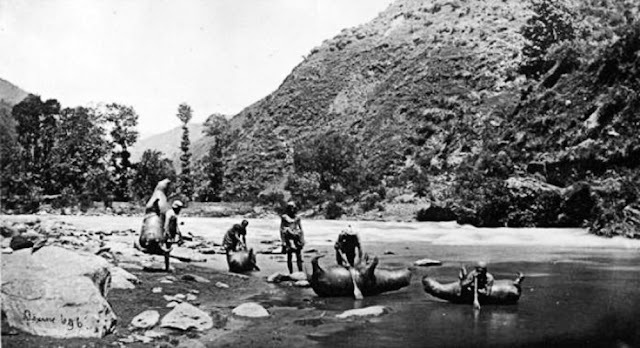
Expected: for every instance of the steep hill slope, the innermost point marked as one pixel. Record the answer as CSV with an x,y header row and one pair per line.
x,y
415,68
168,143
433,95
11,94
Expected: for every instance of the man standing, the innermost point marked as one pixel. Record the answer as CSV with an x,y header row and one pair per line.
x,y
292,236
348,241
235,238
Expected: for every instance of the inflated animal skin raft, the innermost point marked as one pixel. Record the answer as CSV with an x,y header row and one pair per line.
x,y
502,292
242,261
336,280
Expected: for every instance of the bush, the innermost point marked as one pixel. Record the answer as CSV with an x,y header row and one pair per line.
x,y
333,211
369,201
551,23
304,188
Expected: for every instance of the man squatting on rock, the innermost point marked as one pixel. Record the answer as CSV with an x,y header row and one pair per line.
x,y
235,238
171,230
348,241
292,236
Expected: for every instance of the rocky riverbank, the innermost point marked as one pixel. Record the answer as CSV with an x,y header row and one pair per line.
x,y
196,304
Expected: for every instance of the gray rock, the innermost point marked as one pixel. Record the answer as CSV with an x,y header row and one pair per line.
x,y
57,292
250,310
295,276
195,278
363,312
185,316
146,319
427,262
191,343
302,284
121,279
222,285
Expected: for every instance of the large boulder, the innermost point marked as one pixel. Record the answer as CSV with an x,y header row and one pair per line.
x,y
57,292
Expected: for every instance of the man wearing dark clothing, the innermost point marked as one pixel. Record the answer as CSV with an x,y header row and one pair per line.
x,y
484,279
235,238
346,245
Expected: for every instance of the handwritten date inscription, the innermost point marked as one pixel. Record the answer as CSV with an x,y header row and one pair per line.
x,y
69,323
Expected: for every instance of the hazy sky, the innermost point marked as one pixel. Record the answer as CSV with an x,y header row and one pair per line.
x,y
216,55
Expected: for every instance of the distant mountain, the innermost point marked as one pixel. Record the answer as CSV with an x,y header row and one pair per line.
x,y
168,143
11,94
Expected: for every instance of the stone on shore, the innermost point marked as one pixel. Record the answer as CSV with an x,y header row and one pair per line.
x,y
363,312
427,262
250,310
57,292
146,319
186,316
195,278
302,283
121,279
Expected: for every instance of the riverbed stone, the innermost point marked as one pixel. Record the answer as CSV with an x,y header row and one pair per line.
x,y
146,319
57,292
250,310
121,279
363,312
427,262
195,278
186,316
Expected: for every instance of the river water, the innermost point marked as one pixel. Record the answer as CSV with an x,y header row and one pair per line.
x,y
580,290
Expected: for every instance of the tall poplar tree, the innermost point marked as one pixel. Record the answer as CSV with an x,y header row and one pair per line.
x,y
185,180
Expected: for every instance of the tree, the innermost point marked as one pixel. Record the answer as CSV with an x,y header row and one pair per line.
x,y
210,175
36,123
79,152
185,183
149,171
218,126
121,121
551,23
329,155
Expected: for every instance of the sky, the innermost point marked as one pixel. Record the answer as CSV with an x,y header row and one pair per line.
x,y
218,56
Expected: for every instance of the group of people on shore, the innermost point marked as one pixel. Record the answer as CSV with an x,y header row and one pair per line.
x,y
478,281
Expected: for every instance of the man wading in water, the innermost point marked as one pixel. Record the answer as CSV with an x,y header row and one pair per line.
x,y
292,236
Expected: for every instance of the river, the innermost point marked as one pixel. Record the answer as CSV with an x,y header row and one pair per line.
x,y
580,290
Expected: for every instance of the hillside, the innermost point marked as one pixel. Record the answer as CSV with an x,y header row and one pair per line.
x,y
168,143
435,100
10,94
377,81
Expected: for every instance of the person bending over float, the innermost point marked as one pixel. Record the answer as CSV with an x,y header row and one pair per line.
x,y
348,241
235,238
292,236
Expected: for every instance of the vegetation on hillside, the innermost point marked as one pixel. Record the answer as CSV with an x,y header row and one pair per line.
x,y
499,112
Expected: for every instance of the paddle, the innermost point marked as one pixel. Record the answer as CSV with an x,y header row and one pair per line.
x,y
357,294
476,302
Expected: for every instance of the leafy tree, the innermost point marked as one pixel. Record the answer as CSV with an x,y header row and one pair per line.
x,y
218,126
36,123
329,155
121,121
149,171
185,184
80,149
551,23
